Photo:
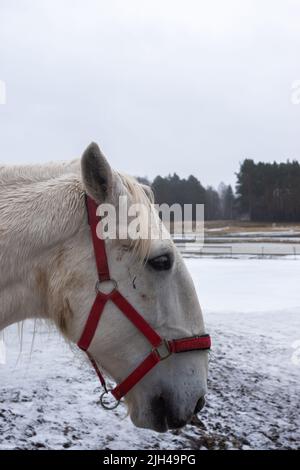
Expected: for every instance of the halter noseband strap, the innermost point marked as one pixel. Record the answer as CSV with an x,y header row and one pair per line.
x,y
161,348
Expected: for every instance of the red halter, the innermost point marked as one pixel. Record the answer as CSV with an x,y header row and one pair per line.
x,y
161,348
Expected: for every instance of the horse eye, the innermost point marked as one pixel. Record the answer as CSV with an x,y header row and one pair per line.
x,y
161,263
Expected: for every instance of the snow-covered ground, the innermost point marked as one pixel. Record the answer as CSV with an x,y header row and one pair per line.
x,y
48,398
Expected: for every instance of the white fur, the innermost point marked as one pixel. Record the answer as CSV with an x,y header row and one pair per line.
x,y
48,271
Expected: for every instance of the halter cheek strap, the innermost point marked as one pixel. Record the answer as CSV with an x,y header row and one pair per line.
x,y
161,348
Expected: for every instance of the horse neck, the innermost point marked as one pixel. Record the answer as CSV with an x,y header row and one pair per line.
x,y
37,216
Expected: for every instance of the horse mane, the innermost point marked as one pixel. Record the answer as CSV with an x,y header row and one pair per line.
x,y
12,177
37,173
140,246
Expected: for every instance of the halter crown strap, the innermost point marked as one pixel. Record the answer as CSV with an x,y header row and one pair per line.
x,y
98,243
161,348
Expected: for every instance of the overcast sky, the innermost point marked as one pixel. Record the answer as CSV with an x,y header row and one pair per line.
x,y
162,86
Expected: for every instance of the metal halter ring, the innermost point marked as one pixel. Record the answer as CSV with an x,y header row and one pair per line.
x,y
114,286
104,405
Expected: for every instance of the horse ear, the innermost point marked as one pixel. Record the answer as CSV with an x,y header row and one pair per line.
x,y
96,173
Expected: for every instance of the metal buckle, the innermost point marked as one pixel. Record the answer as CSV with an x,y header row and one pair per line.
x,y
107,406
163,350
111,285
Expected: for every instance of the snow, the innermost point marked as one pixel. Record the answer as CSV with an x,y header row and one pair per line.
x,y
246,285
49,397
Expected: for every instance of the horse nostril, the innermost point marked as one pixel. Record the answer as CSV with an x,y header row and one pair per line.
x,y
200,405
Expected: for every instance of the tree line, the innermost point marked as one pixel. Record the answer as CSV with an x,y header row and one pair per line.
x,y
263,192
269,191
219,204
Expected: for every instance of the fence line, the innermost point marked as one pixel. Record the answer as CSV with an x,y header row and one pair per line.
x,y
251,249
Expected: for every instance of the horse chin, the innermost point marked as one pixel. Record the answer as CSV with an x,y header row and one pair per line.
x,y
152,425
159,424
149,422
158,418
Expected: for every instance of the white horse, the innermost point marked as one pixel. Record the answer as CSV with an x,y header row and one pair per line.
x,y
48,271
